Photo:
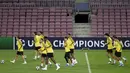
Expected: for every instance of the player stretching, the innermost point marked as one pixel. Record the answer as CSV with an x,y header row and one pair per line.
x,y
50,53
67,52
118,47
71,46
19,51
37,39
109,47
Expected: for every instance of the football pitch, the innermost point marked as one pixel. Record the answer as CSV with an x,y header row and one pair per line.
x,y
94,61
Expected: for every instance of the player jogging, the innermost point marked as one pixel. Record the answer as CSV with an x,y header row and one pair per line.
x,y
19,51
109,47
50,53
118,52
37,39
42,38
43,53
71,46
67,52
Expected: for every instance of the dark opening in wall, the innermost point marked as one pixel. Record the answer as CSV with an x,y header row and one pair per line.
x,y
81,18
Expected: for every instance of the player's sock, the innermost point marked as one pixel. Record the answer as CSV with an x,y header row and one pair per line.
x,y
38,56
25,61
73,61
41,64
49,62
114,61
110,59
35,57
121,63
25,56
124,58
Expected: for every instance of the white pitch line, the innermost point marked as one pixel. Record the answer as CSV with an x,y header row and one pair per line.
x,y
86,56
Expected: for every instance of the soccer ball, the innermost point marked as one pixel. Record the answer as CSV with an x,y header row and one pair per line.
x,y
37,67
2,61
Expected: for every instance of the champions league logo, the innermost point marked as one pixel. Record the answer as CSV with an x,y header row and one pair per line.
x,y
126,43
92,43
81,43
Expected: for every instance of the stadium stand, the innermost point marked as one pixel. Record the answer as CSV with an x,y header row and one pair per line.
x,y
112,16
22,17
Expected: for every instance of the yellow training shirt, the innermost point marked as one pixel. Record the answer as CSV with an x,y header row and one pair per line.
x,y
109,43
71,43
66,45
118,46
42,49
20,45
37,40
48,46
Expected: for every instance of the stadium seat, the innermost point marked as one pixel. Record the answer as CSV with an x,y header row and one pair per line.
x,y
18,19
113,16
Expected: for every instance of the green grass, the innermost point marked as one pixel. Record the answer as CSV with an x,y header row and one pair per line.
x,y
97,59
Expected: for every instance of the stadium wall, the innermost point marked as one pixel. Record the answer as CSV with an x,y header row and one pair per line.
x,y
6,43
80,42
82,7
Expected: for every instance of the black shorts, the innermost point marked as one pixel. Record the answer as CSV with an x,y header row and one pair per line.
x,y
109,50
71,51
36,48
117,54
67,54
44,55
19,52
49,55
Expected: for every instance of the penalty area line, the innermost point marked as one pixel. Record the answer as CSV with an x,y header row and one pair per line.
x,y
86,56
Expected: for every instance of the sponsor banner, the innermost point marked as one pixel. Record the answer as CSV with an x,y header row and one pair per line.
x,y
80,42
6,43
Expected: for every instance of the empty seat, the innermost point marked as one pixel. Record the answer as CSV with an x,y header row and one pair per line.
x,y
113,17
20,20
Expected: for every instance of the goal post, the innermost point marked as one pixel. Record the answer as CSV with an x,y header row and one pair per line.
x,y
14,43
